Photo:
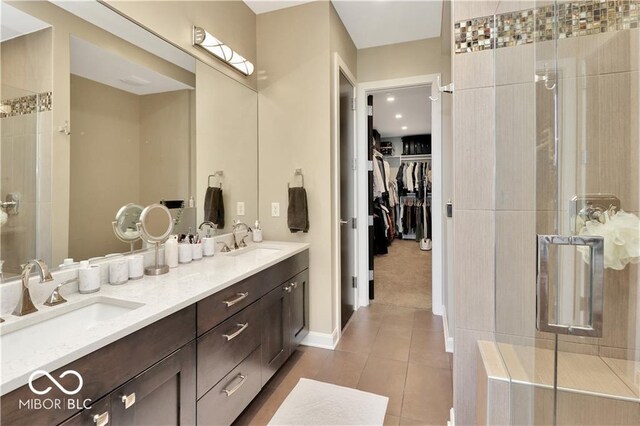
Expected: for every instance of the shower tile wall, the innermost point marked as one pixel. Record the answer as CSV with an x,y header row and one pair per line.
x,y
514,183
26,147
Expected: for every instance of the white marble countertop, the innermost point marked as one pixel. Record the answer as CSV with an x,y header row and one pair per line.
x,y
160,296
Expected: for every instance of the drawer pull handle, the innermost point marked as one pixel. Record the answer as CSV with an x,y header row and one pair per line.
x,y
294,285
240,297
287,288
233,390
101,419
243,327
128,400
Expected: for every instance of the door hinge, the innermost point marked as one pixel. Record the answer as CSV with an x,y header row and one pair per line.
x,y
370,165
370,110
353,104
354,165
354,282
354,223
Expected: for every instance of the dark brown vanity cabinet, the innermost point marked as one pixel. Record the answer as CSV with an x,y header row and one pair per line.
x,y
162,395
285,322
201,365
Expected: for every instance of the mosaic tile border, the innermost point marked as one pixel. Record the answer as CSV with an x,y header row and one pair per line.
x,y
27,105
574,19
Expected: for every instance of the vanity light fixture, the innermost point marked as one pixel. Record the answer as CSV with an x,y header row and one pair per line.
x,y
221,51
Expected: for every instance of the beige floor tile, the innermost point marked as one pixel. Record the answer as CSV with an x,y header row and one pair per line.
x,y
425,319
424,353
385,377
391,420
357,340
427,394
342,368
303,363
410,422
392,343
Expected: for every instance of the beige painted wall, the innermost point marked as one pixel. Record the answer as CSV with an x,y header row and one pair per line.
x,y
105,159
125,148
294,117
227,140
401,60
165,146
232,22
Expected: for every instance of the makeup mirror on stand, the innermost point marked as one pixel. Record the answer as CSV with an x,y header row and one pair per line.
x,y
125,226
155,226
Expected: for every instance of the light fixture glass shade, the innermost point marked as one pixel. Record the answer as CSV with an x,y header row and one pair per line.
x,y
221,51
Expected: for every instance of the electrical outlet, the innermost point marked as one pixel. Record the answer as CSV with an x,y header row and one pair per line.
x,y
240,208
275,209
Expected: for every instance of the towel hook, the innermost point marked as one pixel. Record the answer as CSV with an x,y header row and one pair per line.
x,y
218,174
298,172
442,89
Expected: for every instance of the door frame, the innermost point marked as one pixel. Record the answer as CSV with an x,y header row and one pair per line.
x,y
340,66
436,164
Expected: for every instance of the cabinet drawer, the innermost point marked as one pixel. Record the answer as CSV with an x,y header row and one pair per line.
x,y
224,347
222,404
220,306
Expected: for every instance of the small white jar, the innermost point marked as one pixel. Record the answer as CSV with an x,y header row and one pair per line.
x,y
136,266
196,251
185,253
88,278
208,246
118,271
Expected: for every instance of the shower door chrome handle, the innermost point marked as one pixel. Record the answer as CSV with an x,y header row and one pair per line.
x,y
596,285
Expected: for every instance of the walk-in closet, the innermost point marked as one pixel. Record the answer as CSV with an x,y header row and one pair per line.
x,y
401,196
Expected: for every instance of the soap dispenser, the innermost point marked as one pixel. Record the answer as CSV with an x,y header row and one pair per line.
x,y
257,232
171,252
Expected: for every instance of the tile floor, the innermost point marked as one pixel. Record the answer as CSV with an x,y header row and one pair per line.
x,y
388,350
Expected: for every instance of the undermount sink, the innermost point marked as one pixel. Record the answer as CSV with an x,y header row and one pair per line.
x,y
254,253
48,330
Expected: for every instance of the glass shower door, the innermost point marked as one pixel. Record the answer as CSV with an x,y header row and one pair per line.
x,y
18,179
567,203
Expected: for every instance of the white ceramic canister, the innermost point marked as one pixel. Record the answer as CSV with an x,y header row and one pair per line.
x,y
185,253
196,251
88,278
208,246
171,252
136,266
118,271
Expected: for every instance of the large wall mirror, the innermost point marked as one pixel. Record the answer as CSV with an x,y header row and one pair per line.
x,y
97,113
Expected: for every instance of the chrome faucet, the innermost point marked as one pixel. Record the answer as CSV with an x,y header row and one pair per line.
x,y
211,226
25,305
237,224
56,298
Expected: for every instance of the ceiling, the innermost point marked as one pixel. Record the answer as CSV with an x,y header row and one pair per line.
x,y
112,22
376,23
94,63
412,103
16,23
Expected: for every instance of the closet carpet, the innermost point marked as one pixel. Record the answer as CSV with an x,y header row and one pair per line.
x,y
403,276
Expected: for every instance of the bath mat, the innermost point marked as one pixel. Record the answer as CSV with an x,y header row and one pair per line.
x,y
318,403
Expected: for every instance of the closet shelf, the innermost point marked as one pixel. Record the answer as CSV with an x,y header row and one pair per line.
x,y
416,157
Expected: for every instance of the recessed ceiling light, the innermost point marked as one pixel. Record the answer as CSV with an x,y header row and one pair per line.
x,y
390,99
404,127
398,115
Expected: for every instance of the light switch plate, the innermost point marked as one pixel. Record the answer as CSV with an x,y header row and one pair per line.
x,y
240,208
275,209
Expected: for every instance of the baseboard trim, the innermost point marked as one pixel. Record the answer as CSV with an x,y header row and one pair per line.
x,y
452,418
321,340
448,340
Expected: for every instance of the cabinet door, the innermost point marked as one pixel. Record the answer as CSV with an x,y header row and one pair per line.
x,y
299,308
98,415
165,394
275,330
